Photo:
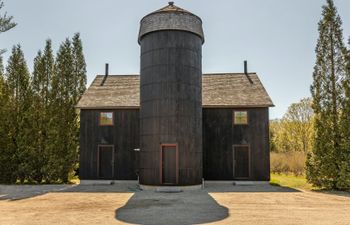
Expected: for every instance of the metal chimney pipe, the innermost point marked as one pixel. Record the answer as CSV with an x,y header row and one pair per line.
x,y
246,71
107,69
106,74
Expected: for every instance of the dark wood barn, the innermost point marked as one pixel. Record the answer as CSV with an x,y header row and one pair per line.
x,y
235,128
171,125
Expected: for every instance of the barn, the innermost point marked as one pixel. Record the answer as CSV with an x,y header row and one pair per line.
x,y
172,125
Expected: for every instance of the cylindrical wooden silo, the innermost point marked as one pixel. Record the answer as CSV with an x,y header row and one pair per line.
x,y
171,98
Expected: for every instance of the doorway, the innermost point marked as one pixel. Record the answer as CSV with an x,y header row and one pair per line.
x,y
169,164
105,161
241,161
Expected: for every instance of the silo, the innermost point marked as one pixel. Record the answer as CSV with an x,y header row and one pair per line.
x,y
171,98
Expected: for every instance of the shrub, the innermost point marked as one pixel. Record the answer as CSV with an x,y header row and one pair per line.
x,y
288,163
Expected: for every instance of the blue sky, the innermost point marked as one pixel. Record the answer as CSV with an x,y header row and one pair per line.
x,y
277,37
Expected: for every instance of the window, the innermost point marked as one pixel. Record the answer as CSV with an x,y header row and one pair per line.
x,y
240,117
106,119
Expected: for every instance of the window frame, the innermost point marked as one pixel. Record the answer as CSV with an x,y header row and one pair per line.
x,y
234,117
105,125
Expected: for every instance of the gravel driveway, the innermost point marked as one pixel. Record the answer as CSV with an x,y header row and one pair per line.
x,y
126,204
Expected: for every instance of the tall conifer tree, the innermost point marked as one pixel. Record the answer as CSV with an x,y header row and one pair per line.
x,y
18,81
344,155
63,114
7,150
323,163
42,74
79,65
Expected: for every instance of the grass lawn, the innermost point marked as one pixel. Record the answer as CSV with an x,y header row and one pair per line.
x,y
290,181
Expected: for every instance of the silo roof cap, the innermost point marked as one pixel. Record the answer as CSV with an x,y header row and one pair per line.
x,y
171,17
171,7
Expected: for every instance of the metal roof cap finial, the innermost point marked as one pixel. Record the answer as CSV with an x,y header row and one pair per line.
x,y
171,3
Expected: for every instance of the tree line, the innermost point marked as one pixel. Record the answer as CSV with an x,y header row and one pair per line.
x,y
291,138
39,126
293,133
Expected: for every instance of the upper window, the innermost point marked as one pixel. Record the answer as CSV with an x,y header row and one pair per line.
x,y
106,119
240,117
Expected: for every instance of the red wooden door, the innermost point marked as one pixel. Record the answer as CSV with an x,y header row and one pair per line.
x,y
169,167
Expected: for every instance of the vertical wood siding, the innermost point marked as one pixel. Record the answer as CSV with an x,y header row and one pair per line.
x,y
219,136
124,135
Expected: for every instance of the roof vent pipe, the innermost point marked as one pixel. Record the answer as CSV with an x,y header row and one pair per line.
x,y
106,74
246,71
107,70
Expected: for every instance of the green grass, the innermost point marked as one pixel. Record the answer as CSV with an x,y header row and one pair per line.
x,y
300,183
290,181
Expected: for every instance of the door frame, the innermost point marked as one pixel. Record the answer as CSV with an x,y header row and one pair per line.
x,y
98,160
176,163
234,162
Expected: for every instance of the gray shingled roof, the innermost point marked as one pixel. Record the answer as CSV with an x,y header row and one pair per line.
x,y
219,90
171,17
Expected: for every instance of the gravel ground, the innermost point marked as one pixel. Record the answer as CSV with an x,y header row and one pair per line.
x,y
126,204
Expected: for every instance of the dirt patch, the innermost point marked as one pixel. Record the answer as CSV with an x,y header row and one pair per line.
x,y
217,204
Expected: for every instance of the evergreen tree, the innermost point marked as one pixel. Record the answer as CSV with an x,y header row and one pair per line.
x,y
42,74
18,81
6,22
1,67
39,129
344,156
323,164
63,135
79,67
68,84
7,151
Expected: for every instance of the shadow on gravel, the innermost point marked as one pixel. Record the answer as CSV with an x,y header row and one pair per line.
x,y
19,192
217,187
115,188
191,207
